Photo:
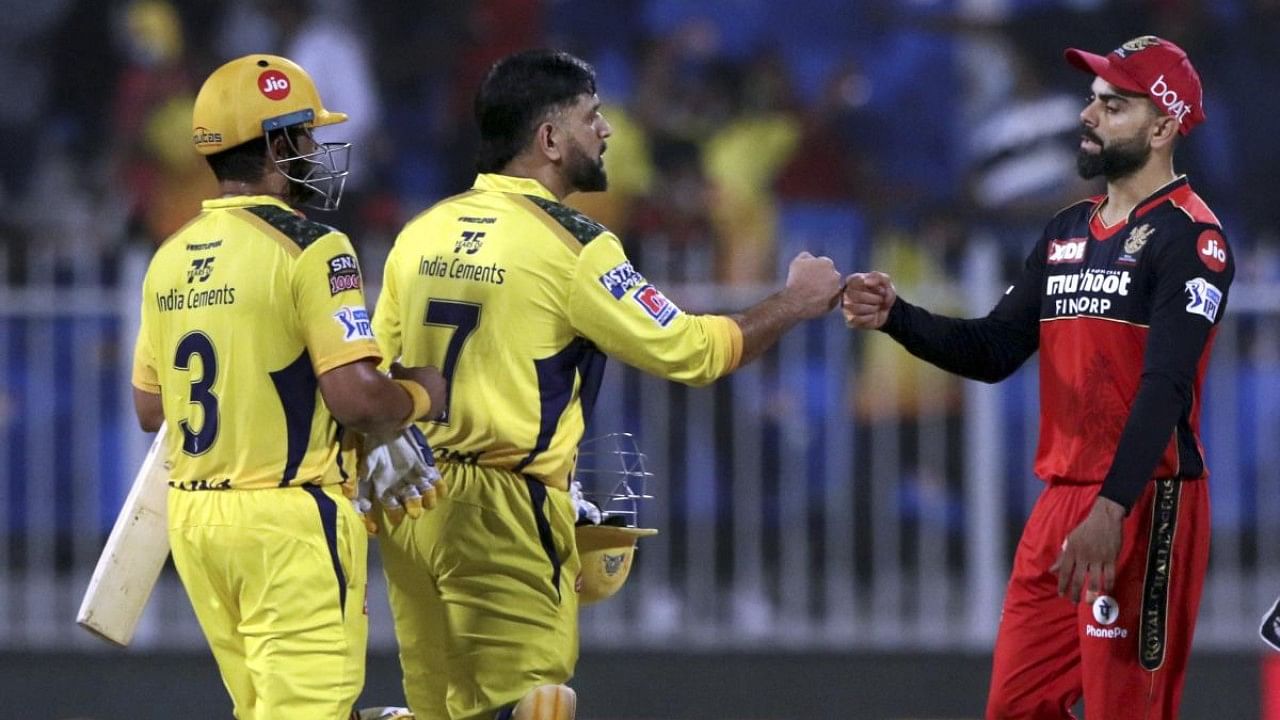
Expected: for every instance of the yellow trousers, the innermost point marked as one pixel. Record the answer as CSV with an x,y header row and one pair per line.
x,y
277,579
482,589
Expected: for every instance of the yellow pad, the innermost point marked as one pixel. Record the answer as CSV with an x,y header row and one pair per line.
x,y
480,614
277,580
547,702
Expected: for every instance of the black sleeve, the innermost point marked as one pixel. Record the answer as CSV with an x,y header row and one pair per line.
x,y
987,349
1189,300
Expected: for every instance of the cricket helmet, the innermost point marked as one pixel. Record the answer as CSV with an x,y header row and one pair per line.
x,y
613,475
263,96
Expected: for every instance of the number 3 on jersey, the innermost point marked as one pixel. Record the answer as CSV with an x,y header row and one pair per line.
x,y
463,317
199,344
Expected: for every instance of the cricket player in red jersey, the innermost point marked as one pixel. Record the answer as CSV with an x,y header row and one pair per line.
x,y
1122,296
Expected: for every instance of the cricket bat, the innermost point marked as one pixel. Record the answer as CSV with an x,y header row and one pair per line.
x,y
134,554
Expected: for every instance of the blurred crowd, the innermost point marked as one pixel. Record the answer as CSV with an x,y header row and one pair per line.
x,y
918,125
889,134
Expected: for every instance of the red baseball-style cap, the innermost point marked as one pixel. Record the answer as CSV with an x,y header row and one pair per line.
x,y
1154,67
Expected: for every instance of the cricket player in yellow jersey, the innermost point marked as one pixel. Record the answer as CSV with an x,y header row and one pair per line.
x,y
518,299
256,347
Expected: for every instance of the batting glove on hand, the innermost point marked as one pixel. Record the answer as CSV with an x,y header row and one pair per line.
x,y
399,472
587,510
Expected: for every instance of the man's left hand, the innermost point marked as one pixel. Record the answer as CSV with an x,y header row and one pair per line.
x,y
1089,552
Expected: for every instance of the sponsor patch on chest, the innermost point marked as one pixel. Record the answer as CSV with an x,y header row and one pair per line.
x,y
1067,251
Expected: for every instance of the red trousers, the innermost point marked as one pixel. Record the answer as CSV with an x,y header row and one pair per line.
x,y
1125,652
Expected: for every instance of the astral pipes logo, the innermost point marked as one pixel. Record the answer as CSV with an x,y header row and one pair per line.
x,y
1164,95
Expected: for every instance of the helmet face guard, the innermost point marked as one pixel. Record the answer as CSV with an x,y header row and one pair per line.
x,y
322,172
613,475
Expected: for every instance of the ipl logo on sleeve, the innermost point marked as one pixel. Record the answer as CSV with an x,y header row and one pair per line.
x,y
355,323
1204,298
656,305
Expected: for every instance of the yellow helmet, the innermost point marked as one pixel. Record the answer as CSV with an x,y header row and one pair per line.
x,y
255,95
606,552
608,486
250,95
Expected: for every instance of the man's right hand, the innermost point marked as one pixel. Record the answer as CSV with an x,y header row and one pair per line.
x,y
813,285
429,378
867,300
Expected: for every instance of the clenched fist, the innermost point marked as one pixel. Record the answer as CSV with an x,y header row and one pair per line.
x,y
867,299
813,285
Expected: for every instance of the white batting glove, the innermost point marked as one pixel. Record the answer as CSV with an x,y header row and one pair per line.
x,y
587,510
399,472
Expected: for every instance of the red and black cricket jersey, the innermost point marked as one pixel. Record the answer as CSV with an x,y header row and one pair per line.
x,y
1124,318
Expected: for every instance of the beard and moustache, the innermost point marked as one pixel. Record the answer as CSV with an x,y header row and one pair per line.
x,y
585,174
1115,160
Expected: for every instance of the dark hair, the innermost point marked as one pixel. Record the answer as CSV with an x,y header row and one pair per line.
x,y
248,161
518,93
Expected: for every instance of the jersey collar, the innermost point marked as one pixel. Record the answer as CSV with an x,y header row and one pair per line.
x,y
239,201
1161,194
512,184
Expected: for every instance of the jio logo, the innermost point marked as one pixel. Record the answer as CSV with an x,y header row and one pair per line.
x,y
274,84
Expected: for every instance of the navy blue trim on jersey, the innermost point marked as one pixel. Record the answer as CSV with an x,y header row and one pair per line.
x,y
591,369
301,231
329,523
296,385
538,497
555,386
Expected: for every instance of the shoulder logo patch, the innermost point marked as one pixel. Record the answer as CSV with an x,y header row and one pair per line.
x,y
344,273
656,305
354,322
1211,248
1203,298
621,278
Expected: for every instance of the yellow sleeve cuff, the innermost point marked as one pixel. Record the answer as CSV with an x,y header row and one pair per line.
x,y
731,333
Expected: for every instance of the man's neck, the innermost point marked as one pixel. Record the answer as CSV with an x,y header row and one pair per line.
x,y
1124,194
231,188
544,173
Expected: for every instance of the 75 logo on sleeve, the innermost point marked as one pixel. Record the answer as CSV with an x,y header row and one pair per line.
x,y
656,305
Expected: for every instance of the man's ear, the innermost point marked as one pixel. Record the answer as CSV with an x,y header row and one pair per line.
x,y
1164,131
549,140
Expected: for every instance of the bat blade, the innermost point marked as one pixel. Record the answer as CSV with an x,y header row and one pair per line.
x,y
133,556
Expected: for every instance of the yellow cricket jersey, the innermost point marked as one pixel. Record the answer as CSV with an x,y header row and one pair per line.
x,y
242,310
517,299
